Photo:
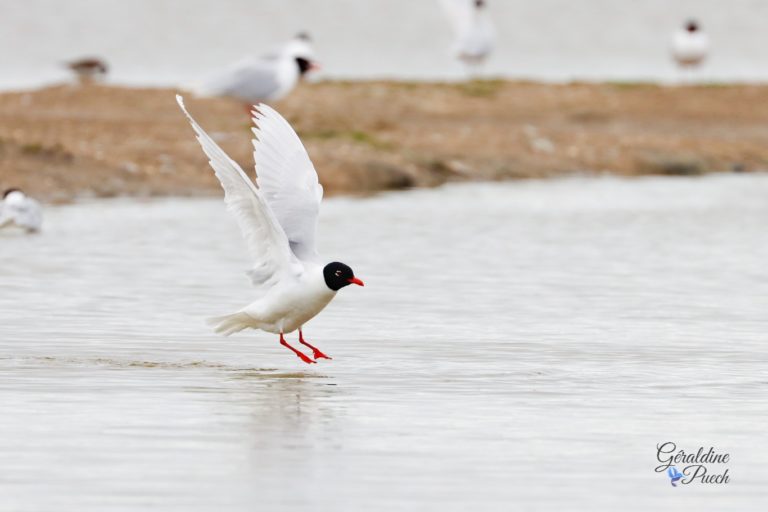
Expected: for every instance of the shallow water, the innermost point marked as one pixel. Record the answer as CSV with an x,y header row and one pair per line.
x,y
171,42
521,345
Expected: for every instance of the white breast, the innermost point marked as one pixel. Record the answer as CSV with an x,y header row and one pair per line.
x,y
476,41
287,77
690,49
289,305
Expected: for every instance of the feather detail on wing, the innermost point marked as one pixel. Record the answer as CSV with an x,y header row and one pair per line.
x,y
266,241
287,179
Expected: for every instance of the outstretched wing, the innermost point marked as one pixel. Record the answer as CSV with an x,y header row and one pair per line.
x,y
287,179
266,241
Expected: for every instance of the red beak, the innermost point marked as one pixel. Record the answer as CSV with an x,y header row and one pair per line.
x,y
356,281
314,66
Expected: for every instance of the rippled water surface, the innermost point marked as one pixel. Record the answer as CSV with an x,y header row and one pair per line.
x,y
517,346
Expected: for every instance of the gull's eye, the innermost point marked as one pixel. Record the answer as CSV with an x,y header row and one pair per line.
x,y
337,273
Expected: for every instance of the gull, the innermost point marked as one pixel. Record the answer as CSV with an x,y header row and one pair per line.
x,y
474,31
690,45
267,78
16,209
278,219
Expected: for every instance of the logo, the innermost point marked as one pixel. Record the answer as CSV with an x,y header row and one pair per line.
x,y
674,475
705,466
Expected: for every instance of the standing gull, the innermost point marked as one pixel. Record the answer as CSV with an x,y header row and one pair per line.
x,y
278,219
474,31
690,45
267,78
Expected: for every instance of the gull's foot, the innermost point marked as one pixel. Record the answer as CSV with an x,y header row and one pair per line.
x,y
298,353
319,355
316,353
305,358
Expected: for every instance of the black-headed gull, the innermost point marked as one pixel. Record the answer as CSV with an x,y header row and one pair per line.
x,y
17,209
690,45
278,219
266,78
474,31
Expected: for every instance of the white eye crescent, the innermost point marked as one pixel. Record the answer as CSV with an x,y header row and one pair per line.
x,y
337,273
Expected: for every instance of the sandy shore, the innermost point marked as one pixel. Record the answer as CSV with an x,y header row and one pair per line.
x,y
66,142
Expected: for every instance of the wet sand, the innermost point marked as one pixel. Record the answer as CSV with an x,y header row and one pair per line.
x,y
65,142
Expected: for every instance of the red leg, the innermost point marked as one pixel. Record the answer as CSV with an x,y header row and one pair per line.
x,y
315,351
298,353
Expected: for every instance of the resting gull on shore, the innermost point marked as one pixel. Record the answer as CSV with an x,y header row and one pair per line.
x,y
690,45
267,78
474,31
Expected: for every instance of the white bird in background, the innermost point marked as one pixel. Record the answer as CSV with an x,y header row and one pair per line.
x,y
16,209
278,220
474,31
690,45
266,78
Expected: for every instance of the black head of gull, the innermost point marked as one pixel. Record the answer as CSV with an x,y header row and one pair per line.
x,y
305,65
338,275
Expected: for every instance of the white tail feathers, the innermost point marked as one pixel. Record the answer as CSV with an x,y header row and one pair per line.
x,y
230,324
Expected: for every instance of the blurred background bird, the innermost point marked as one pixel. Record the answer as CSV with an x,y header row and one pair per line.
x,y
88,69
263,79
690,45
17,209
475,33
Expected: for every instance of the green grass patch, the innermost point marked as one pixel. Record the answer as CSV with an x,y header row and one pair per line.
x,y
357,136
481,88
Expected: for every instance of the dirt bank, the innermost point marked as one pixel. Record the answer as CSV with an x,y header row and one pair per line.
x,y
66,142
